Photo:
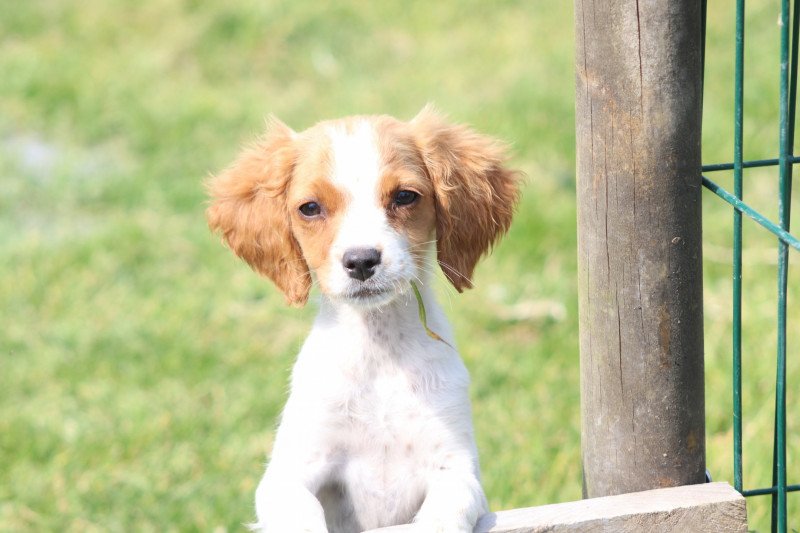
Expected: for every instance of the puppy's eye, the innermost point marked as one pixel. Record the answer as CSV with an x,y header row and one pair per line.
x,y
405,197
311,209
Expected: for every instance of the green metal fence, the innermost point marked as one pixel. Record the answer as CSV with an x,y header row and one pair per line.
x,y
789,29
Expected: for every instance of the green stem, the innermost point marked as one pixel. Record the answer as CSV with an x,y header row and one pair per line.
x,y
423,317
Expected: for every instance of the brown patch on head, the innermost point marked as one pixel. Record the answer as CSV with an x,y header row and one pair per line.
x,y
475,192
404,170
312,184
248,208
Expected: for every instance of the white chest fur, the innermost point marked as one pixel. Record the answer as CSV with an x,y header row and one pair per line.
x,y
378,410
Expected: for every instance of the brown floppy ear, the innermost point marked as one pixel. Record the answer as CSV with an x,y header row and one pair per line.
x,y
248,208
475,192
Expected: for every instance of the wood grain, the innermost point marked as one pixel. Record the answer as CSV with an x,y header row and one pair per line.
x,y
638,123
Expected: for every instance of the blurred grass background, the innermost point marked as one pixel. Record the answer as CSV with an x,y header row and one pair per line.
x,y
142,366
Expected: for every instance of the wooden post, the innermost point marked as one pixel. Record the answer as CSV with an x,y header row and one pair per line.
x,y
638,116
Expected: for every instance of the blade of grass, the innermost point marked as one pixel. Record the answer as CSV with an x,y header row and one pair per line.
x,y
423,317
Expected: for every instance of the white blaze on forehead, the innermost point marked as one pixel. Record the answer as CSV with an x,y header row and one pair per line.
x,y
357,171
356,160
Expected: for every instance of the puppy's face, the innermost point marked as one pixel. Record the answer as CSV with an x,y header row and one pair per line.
x,y
362,207
358,201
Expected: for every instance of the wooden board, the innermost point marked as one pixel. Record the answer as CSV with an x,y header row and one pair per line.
x,y
702,508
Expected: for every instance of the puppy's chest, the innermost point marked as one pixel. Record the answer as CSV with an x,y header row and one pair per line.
x,y
385,397
388,410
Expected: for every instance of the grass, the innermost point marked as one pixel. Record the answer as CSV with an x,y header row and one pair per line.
x,y
142,367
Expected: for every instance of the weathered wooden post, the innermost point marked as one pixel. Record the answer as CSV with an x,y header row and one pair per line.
x,y
638,116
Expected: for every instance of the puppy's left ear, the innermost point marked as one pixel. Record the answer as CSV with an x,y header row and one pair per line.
x,y
475,192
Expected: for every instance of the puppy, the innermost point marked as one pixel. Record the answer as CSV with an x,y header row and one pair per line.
x,y
377,429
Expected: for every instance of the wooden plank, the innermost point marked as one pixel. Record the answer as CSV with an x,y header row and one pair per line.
x,y
638,127
693,508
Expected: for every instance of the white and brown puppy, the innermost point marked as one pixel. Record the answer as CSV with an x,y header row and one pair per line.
x,y
377,429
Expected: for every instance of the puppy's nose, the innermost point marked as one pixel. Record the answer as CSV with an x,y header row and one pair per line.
x,y
360,263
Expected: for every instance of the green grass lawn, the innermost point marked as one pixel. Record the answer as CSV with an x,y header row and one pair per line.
x,y
142,366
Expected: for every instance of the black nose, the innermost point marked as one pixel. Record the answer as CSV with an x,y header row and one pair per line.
x,y
360,263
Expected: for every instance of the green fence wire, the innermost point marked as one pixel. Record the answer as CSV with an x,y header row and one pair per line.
x,y
784,162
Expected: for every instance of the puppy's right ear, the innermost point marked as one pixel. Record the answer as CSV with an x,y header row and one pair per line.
x,y
248,208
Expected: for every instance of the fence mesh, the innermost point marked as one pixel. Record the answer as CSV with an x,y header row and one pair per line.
x,y
789,24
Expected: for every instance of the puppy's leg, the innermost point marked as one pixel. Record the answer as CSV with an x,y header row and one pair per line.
x,y
284,503
454,500
286,496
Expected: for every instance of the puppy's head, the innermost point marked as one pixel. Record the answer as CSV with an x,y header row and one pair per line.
x,y
358,202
